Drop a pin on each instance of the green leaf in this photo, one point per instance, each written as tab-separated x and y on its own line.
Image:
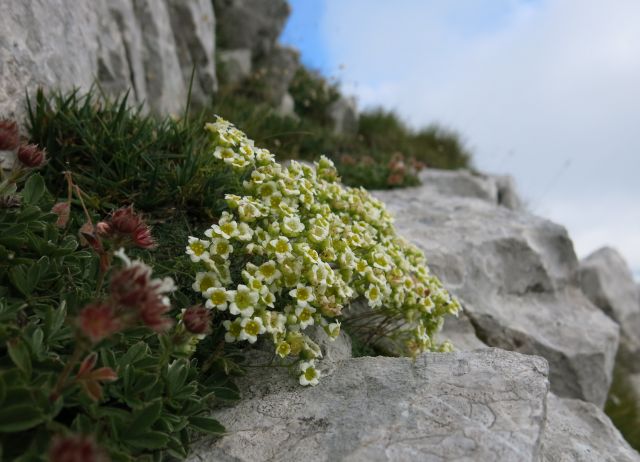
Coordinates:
13	236
227	394
36	341
176	376
148	440
207	425
54	320
3	391
144	418
19	276
33	189
20	355
19	418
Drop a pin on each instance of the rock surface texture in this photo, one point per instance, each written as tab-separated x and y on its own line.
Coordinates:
579	431
487	405
250	24
608	282
517	276
148	47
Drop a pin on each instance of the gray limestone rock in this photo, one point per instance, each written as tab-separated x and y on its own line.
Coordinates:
48	43
166	87
496	189
507	192
485	405
120	50
459	183
344	115
576	431
146	46
608	282
517	277
251	24
235	65
461	333
193	25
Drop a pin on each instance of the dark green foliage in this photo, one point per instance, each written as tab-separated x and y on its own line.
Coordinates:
312	96
437	147
160	399
623	407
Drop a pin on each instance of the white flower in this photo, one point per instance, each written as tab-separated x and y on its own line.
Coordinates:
197	249
292	226
243	301
309	374
374	296
302	294
234	329
281	247
333	329
268	272
245	233
305	316
220	247
251	328
226	230
205	281
217	298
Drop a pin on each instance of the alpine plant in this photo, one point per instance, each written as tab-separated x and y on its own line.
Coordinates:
297	247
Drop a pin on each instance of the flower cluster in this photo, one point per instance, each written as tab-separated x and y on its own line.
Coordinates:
134	297
297	248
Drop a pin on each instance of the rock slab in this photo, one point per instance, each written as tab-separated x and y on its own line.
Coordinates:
608	282
576	431
517	276
486	405
146	46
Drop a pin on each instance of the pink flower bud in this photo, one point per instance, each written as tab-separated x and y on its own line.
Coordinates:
98	321
103	228
31	156
62	210
76	448
9	136
197	320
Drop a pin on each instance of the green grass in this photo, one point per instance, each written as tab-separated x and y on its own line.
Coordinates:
118	155
623	407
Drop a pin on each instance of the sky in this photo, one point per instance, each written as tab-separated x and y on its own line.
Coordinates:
545	90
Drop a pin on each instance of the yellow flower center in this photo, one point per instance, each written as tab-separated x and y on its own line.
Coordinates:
235	329
222	248
243	300
252	328
197	247
207	282
282	246
310	373
218	297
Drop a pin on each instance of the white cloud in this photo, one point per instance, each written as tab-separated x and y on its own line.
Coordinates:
545	90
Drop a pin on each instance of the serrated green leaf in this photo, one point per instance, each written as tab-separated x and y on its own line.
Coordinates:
20	355
176	375
33	189
19	277
20	417
225	393
36	341
148	440
144	418
207	425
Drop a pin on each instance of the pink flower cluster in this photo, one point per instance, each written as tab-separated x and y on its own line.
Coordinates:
134	297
